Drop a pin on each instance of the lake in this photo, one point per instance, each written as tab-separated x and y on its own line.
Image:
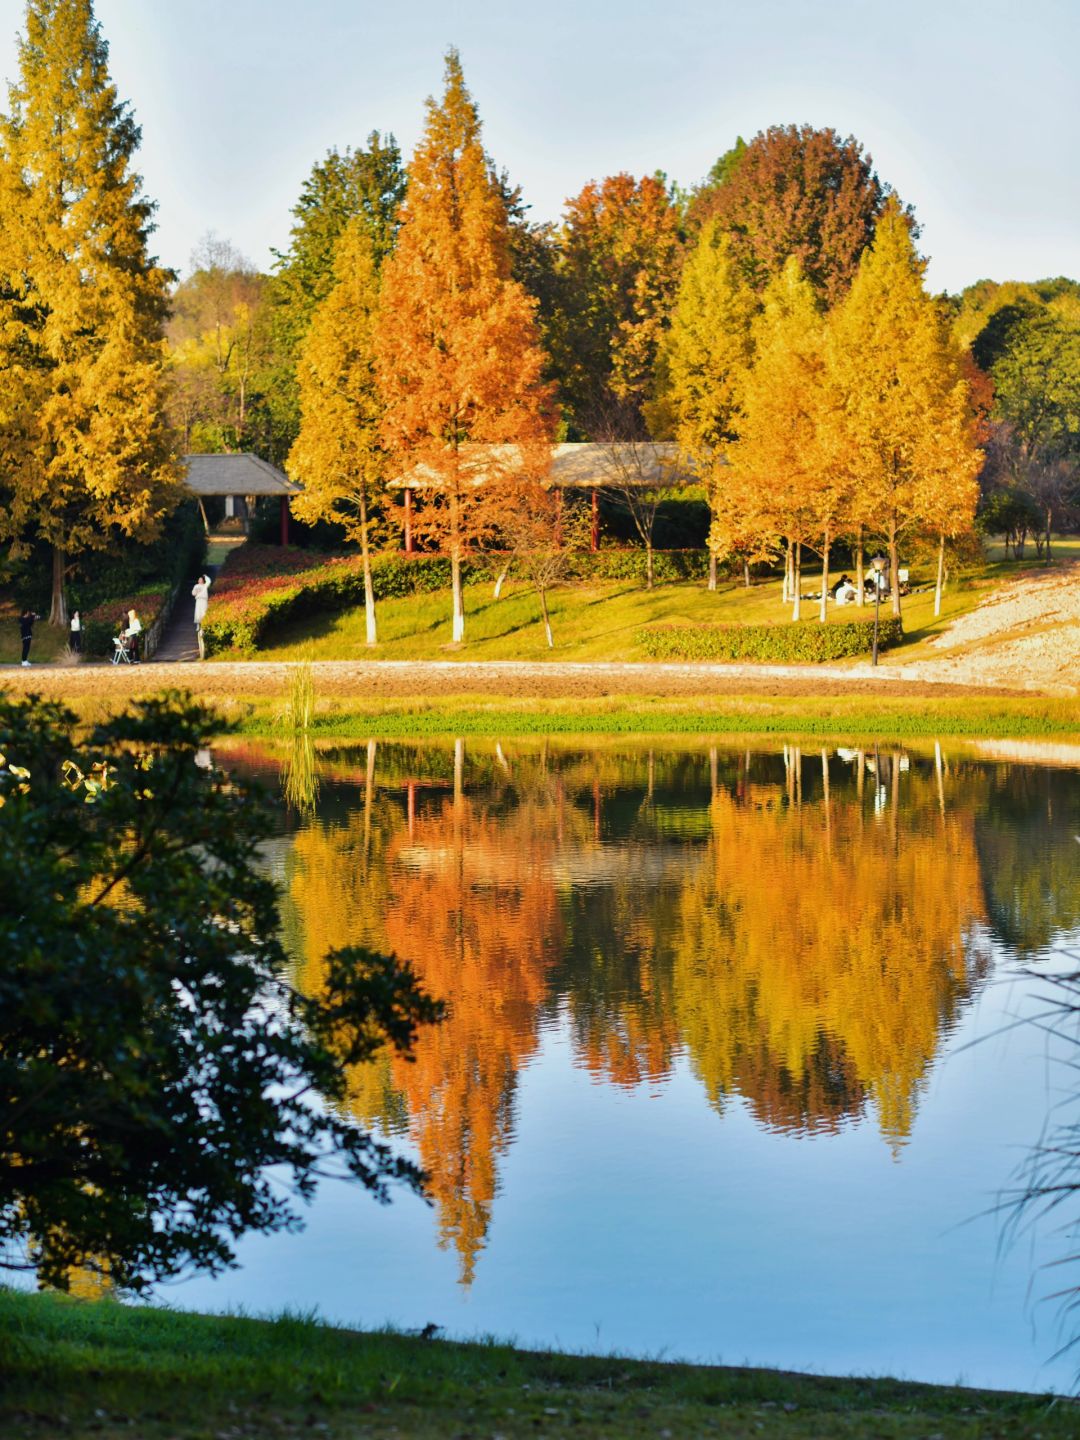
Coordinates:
730	1071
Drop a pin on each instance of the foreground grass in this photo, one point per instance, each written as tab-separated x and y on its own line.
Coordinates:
76	1368
838	717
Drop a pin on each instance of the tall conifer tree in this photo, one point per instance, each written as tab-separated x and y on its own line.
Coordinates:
703	361
777	459
458	361
338	456
365	185
906	435
84	450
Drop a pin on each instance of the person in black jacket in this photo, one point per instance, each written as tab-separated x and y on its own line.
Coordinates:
26	630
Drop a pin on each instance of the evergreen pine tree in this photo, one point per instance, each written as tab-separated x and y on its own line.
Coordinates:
85	454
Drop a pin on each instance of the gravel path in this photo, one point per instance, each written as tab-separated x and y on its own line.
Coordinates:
1026	635
446	679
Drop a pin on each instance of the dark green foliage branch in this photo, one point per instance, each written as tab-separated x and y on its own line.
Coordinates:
155	1059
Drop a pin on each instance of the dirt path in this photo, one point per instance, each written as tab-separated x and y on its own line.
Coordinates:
432	680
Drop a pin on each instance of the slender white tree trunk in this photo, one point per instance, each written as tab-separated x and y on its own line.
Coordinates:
712	569
860	571
796	580
371	634
455	572
894	564
501	581
824	580
940	586
547	619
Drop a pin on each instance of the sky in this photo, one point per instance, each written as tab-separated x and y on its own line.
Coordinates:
969	108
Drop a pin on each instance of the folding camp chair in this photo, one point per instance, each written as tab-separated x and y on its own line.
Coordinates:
121	650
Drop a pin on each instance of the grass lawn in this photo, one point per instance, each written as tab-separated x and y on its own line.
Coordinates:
79	1368
49	643
590	622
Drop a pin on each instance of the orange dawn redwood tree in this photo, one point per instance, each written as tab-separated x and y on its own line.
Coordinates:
458	359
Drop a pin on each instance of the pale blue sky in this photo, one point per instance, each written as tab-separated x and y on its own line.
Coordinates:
970	108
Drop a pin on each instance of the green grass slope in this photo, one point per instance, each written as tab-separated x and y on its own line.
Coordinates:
590	622
98	1368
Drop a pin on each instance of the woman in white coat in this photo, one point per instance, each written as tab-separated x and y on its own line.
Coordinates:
201	591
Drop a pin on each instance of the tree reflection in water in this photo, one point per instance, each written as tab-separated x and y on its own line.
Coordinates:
803	928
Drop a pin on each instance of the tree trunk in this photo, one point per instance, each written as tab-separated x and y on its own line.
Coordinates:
501	580
369	588
785	593
894	569
796	580
746	573
648	565
712	569
547	619
1048	534
58	614
824	580
860	570
408	521
458	632
940	585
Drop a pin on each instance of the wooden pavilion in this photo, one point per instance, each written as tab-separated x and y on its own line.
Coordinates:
240	480
594	467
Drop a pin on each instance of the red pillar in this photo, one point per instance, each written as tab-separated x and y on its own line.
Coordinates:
595	539
284	520
408	522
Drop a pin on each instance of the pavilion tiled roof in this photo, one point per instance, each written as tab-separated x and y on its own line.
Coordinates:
235	475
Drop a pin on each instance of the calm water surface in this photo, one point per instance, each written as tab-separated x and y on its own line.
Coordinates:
707	1087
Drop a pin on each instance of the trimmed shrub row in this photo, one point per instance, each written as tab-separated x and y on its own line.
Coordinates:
807	643
260	587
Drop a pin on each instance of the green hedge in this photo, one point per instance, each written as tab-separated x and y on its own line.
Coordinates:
806	643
